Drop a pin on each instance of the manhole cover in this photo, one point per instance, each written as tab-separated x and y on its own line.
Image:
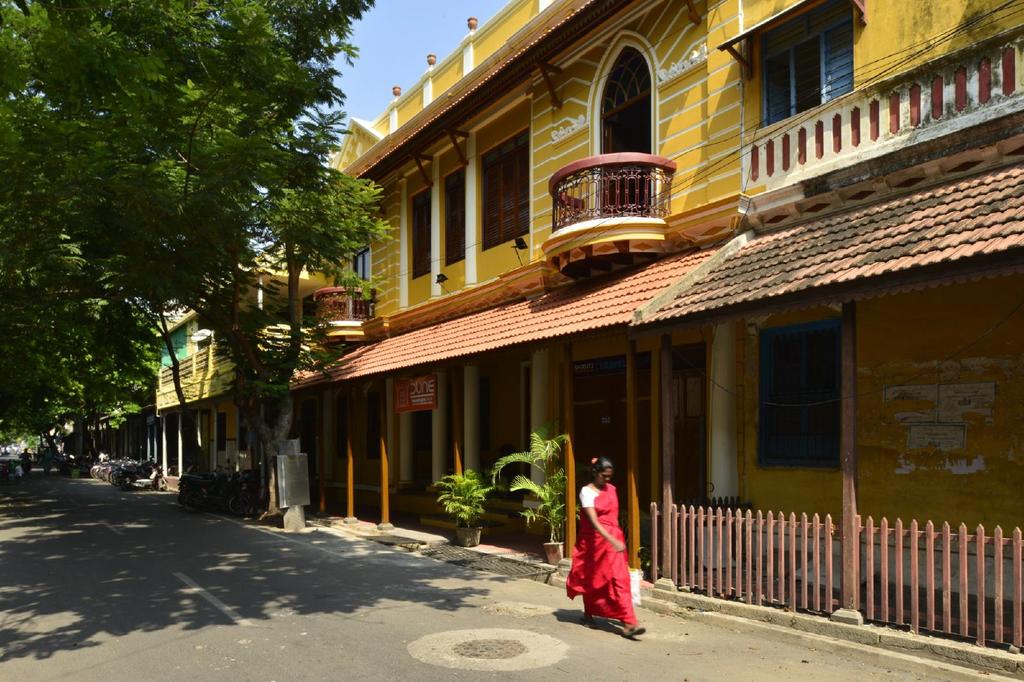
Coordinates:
490	648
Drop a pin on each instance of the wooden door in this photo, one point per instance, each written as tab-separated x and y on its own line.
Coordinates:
689	386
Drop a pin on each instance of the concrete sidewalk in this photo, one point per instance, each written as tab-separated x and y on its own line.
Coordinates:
666	600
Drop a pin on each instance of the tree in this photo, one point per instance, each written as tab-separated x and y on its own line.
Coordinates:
181	150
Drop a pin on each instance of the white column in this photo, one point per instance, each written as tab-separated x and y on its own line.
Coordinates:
467	55
389	428
214	454
404	264
471	416
393	119
472	192
539	416
181	452
162	422
405	453
199	435
428	91
439	452
722	399
435	225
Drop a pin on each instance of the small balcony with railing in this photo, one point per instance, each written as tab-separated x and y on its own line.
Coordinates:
204	374
608	210
945	103
343	311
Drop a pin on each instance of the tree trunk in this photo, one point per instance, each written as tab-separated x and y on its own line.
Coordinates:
93	429
273	431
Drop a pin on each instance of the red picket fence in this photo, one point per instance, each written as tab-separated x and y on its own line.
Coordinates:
960	583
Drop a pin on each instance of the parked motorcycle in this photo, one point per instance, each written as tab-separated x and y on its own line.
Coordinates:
199	492
144	476
236	493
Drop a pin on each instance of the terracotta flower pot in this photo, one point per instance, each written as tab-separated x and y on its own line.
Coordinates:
554	552
467	537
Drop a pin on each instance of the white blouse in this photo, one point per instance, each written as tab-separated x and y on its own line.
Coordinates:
587	497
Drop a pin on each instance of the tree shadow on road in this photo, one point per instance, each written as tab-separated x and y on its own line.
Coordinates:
84	563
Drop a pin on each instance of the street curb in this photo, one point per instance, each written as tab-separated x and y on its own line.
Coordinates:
889	639
928	655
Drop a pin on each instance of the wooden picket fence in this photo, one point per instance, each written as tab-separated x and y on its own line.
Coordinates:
961	583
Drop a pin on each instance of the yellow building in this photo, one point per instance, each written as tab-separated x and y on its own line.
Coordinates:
210	432
207	383
765	254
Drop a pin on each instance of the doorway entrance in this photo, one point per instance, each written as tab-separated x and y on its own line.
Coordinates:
689	387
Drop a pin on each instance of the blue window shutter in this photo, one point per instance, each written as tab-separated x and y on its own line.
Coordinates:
838	61
777	84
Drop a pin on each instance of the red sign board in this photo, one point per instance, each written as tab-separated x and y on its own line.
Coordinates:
414	395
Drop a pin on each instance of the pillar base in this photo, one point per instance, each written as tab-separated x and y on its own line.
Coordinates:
350	521
847	617
294	519
385	526
564	566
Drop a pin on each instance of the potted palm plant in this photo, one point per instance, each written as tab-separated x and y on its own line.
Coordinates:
462	497
549	505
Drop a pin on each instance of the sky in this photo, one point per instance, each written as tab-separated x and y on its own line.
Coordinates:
394	39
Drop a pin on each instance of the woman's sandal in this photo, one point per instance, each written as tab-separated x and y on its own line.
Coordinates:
588	621
634	631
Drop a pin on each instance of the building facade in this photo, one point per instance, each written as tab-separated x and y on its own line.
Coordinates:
765	254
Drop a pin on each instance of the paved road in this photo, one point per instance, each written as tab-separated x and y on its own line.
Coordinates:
99	584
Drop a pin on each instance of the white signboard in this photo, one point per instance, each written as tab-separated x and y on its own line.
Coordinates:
293	480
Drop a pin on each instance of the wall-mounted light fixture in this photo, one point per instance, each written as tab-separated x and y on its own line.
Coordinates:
520	245
440	280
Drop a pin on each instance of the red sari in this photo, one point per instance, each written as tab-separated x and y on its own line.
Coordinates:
598	572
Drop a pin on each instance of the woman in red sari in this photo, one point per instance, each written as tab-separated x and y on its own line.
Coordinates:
599	570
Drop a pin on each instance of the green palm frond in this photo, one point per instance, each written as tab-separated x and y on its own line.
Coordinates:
545	454
521	482
514	458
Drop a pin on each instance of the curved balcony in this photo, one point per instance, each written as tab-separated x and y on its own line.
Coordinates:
342	312
608	209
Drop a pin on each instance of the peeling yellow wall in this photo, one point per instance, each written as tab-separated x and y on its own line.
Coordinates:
905	340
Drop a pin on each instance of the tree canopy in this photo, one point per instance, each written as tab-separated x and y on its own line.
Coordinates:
162	156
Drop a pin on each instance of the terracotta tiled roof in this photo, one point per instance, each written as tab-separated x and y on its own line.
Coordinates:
978	216
586	306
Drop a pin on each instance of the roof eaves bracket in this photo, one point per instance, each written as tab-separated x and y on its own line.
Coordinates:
738	55
454	136
419	159
695	16
545	72
862	9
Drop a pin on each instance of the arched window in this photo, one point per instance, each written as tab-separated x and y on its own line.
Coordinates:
626	105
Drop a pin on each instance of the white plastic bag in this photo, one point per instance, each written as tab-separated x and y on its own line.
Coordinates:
635	576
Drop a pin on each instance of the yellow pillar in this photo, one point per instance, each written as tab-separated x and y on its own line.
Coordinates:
350	484
457	419
632	460
570	460
385	481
